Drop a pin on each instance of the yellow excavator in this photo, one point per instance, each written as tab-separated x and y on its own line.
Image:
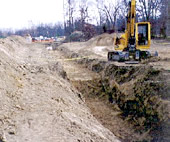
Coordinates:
133	44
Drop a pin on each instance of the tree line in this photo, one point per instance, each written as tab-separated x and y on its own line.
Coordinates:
112	14
46	30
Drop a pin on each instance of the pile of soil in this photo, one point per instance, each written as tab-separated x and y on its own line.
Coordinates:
37	102
102	40
136	93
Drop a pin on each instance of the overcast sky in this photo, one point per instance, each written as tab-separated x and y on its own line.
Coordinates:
18	14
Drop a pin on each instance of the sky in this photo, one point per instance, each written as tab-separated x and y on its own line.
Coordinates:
17	14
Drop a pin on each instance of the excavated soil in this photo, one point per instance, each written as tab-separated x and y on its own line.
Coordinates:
37	101
131	101
70	92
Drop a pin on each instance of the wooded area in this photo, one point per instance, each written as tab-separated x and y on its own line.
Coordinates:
112	15
92	17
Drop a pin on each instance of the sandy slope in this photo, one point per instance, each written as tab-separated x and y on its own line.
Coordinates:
37	102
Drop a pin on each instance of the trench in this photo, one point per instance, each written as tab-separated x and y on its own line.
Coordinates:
126	100
133	102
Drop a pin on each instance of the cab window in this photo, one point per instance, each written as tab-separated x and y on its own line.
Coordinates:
143	34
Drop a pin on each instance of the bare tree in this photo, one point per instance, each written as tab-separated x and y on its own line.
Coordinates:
149	9
83	9
68	15
163	18
109	11
99	4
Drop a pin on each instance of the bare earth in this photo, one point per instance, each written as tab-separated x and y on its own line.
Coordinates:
37	102
97	48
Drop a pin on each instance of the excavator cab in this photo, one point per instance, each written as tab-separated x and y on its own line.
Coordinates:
143	39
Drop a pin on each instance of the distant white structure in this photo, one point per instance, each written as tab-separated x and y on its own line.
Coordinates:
41	37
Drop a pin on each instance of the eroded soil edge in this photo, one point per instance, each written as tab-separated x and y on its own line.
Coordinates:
130	101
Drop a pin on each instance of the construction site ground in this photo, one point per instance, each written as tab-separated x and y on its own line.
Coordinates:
46	92
79	70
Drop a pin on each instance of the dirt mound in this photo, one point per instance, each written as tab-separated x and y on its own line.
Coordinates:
37	103
99	43
135	91
102	40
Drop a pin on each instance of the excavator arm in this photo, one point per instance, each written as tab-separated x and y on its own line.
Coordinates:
130	29
132	18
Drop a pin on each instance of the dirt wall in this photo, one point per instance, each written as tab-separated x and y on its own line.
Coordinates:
136	92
